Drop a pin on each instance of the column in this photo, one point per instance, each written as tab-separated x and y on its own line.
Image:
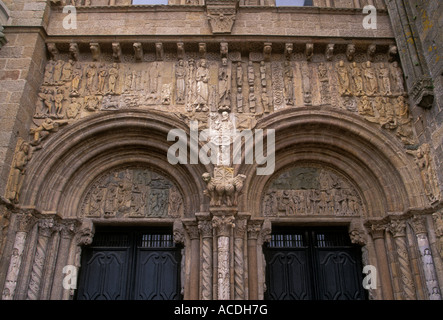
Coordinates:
254	228
83	237
398	229
239	257
191	228
205	227
418	225
66	236
25	222
45	228
377	233
223	225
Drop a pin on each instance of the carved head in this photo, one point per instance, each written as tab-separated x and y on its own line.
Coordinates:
206	177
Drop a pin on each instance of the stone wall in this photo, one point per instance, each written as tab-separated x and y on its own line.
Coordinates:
22	62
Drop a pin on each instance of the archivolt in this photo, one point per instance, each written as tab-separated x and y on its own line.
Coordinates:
73	158
374	160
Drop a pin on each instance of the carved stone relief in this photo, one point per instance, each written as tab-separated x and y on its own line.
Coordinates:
133	193
312	191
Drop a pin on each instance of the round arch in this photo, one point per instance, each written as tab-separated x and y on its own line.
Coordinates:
70	160
371	158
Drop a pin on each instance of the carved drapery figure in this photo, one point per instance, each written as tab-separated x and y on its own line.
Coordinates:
289	84
370	79
180	80
202	93
224	91
357	79
343	78
383	73
21	159
424	162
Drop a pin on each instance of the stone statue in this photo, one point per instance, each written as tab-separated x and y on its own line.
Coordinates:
383	73
180	80
343	79
370	79
224	91
357	79
112	80
22	157
202	79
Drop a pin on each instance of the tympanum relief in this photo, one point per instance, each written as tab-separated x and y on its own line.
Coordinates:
314	191
132	193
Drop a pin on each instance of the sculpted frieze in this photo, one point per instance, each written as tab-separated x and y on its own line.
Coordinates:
132	193
311	191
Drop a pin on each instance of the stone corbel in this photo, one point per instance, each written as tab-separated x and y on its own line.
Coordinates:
138	51
289	49
180	50
309	51
3	39
202	50
267	50
371	52
116	51
159	51
53	51
329	54
74	51
178	232
95	51
224	49
392	53
350	52
422	92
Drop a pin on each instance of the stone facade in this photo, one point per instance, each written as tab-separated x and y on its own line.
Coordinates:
88	112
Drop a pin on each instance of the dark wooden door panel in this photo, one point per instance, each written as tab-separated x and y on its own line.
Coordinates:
313	263
106	276
132	265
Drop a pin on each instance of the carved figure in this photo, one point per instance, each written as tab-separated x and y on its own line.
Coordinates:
21	159
180	82
343	79
202	79
224	191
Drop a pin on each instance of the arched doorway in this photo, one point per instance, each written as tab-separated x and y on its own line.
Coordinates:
312	260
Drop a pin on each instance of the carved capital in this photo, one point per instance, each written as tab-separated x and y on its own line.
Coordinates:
254	228
223	225
240	227
46	227
205	228
25	222
67	230
192	230
398	228
418	224
377	231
